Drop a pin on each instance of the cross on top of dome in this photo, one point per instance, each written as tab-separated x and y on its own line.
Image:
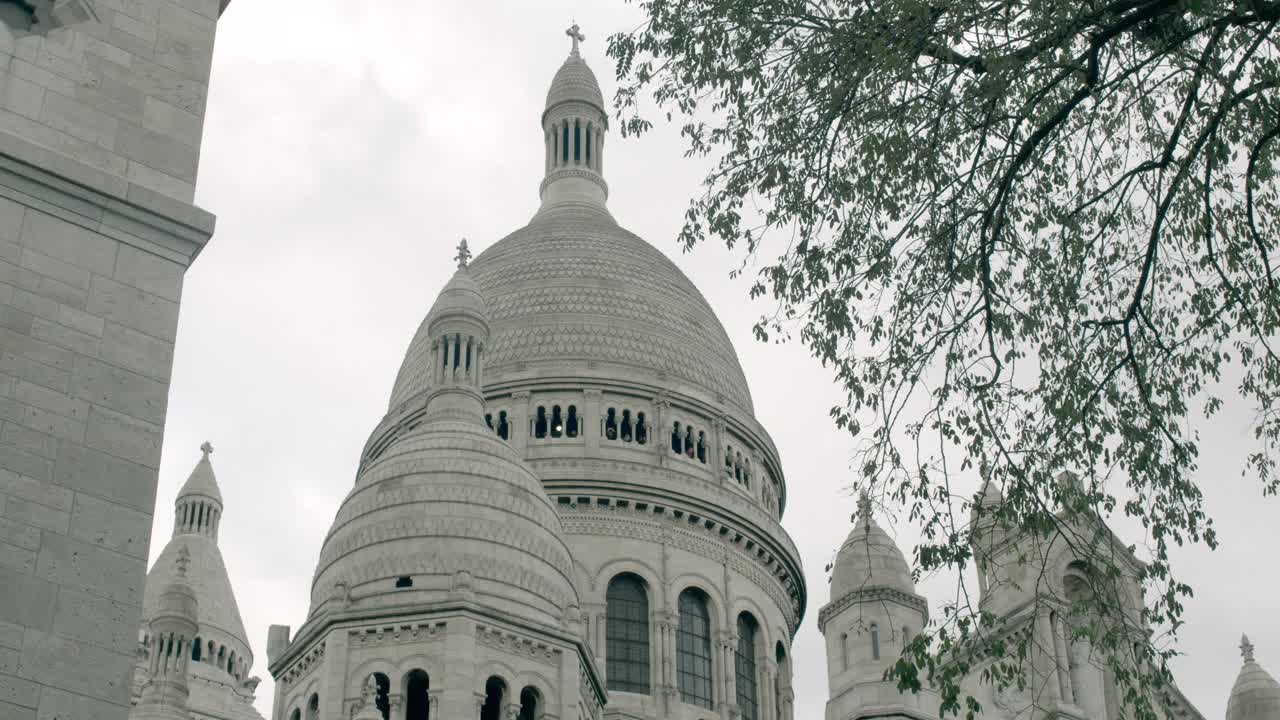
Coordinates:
575	34
1246	648
206	448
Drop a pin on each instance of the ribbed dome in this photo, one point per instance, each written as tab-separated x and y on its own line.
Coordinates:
574	294
451	509
869	558
574	81
1256	695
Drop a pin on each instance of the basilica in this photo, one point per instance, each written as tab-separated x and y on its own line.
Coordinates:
571	512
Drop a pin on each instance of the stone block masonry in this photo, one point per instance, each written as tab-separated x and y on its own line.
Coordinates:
100	129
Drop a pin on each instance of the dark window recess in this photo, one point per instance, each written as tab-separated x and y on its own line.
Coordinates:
626	426
676	446
540	424
571	425
642	430
702	447
611	425
504	430
404	581
557	422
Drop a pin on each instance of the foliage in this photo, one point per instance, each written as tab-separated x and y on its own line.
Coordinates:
1028	235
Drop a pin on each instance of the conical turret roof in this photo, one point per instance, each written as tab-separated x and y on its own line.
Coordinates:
869	558
202	480
574	81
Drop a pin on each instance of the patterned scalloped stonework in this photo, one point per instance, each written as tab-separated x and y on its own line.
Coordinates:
573	288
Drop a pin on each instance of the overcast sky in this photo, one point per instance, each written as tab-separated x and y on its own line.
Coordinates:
347	147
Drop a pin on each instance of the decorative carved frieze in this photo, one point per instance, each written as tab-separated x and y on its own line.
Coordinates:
376	635
514	644
303	665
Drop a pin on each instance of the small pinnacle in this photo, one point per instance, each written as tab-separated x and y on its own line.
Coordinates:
464	255
1246	648
184	559
864	507
206	448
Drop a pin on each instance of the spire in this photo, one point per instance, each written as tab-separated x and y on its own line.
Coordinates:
1246	649
574	122
198	508
864	508
464	255
1255	694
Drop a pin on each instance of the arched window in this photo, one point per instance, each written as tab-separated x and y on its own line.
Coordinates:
222	656
211	655
737	467
529	705
611	425
781	680
688	441
196	648
382	699
295	715
540	424
744	663
675	438
844	651
627	635
504	431
626	426
875	641
702	447
313	707
557	422
564	142
417	705
642	430
577	142
693	649
231	664
571	425
494	690
488	420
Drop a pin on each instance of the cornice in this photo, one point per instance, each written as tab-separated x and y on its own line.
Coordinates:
877	594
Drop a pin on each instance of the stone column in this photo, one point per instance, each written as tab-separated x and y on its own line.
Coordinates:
333	679
662	418
666	622
1061	661
519	421
590	420
727	689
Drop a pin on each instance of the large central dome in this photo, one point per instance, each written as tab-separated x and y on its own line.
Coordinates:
574	294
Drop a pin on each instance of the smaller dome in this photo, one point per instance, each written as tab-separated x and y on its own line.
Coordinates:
1256	695
202	480
460	297
869	558
574	81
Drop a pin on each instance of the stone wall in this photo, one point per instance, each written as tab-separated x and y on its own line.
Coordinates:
100	121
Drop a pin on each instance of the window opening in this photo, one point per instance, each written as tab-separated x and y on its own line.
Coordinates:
540	424
494	689
611	425
577	142
675	438
875	641
564	145
404	581
382	698
626	426
417	704
196	647
488	420
745	668
702	447
528	704
571	425
557	423
688	441
693	649
627	635
588	144
503	429
642	430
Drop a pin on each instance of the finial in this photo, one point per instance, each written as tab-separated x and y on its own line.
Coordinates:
864	507
464	255
575	33
184	559
1246	648
206	448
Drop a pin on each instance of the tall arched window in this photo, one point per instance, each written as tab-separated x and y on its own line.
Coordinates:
503	430
529	703
494	691
557	422
626	426
196	648
875	641
540	423
627	635
744	662
642	430
417	705
313	707
693	649
611	424
295	715
571	425
382	699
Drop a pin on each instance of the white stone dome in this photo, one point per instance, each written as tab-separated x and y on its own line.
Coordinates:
444	499
1256	695
869	559
574	294
574	81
